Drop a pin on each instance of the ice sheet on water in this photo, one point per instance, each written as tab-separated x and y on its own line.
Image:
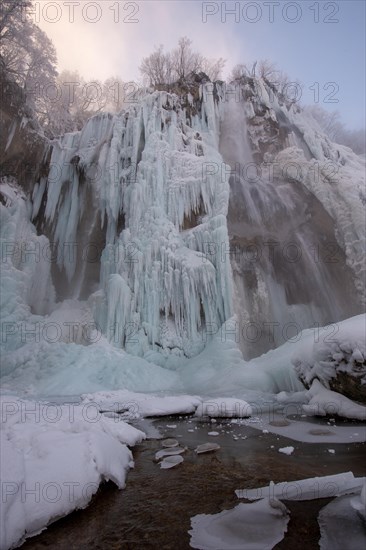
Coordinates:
257	526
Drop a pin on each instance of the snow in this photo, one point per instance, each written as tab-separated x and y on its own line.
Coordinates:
324	402
53	459
257	526
340	348
141	405
307	489
223	408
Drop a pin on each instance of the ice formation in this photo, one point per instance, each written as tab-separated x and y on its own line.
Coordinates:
143	178
133	234
171	461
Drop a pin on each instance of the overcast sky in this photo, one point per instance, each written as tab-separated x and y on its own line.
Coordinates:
320	43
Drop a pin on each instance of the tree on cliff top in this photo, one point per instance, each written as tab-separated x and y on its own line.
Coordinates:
167	67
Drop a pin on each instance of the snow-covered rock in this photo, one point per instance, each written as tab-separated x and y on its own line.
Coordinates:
336	357
324	402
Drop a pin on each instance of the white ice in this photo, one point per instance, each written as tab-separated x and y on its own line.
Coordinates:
257	526
341	527
307	489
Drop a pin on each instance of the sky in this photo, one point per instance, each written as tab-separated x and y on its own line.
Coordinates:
321	43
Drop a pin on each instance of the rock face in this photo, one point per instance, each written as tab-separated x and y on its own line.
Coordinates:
24	151
350	384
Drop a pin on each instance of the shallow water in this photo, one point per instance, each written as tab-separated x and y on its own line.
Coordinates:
154	510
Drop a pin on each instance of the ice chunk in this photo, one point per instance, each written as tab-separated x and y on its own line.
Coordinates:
170	452
207	448
257	526
306	489
170	443
171	461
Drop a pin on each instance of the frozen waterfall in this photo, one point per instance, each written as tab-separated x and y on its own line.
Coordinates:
289	270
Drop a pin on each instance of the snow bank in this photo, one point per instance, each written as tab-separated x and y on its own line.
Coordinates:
137	405
53	458
258	526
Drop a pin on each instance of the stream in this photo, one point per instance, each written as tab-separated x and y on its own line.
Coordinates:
154	510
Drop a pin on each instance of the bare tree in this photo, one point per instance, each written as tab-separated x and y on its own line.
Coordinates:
166	67
185	60
158	67
213	68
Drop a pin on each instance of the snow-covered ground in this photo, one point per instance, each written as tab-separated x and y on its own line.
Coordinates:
53	458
